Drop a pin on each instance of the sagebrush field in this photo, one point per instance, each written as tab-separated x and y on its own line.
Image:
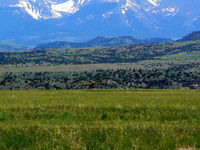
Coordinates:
99	119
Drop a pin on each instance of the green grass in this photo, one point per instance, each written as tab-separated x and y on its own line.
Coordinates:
194	55
99	119
163	62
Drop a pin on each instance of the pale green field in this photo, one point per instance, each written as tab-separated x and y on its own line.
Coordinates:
194	55
164	62
99	119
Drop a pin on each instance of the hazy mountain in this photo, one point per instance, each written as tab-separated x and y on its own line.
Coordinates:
9	46
156	40
102	42
39	21
194	36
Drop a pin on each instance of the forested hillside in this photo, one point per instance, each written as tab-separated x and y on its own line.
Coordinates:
132	53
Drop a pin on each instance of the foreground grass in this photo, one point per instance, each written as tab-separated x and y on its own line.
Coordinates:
98	119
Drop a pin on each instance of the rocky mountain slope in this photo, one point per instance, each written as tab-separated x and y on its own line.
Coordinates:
39	21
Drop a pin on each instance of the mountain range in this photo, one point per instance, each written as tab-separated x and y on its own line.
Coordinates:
98	42
31	22
102	42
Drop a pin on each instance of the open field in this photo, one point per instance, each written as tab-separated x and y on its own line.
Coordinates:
99	119
165	62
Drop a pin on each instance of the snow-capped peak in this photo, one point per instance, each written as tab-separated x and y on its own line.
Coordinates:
88	18
47	9
50	9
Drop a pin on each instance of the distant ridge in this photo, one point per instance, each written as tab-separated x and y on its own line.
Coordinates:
194	36
103	42
9	46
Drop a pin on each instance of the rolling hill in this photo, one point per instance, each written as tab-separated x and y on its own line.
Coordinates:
121	54
103	42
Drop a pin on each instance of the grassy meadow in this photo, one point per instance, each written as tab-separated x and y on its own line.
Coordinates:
99	119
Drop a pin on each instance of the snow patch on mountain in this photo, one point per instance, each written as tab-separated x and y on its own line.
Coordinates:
67	7
154	2
49	9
